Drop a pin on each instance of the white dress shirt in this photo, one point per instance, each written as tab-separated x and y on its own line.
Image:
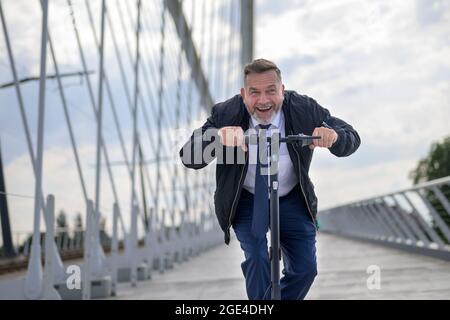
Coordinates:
286	174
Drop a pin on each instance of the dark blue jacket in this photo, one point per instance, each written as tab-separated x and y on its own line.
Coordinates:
302	114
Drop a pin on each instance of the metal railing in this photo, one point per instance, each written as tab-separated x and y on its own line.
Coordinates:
163	244
416	219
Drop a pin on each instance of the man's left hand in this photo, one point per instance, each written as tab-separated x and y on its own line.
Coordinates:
328	138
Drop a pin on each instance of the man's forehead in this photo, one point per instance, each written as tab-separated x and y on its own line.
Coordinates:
263	87
262	80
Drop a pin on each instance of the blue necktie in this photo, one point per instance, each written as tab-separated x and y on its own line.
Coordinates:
260	220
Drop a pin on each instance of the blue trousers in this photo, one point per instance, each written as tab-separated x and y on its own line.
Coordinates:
298	245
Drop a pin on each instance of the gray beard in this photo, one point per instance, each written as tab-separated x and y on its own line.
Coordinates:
266	121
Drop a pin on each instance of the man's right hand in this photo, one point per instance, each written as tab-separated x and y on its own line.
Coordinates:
232	137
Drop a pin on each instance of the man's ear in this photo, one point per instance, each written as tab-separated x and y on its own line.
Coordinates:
243	93
282	89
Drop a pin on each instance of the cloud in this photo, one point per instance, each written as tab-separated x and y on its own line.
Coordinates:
431	12
381	66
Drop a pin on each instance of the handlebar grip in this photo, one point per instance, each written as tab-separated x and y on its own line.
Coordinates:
304	139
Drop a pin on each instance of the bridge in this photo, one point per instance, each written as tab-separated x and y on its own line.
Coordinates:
114	88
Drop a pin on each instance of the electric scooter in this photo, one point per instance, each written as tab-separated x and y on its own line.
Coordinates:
273	143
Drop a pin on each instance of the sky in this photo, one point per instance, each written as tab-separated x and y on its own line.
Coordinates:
382	66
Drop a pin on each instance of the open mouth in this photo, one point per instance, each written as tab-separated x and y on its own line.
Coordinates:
264	109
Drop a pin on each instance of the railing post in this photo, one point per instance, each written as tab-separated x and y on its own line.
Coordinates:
407	235
133	247
378	222
408	217
114	249
151	242
442	199
429	230
88	242
437	218
378	212
49	289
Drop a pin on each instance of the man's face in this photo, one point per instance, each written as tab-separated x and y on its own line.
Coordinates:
263	95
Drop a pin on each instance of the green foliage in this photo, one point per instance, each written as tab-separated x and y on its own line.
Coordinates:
434	166
61	220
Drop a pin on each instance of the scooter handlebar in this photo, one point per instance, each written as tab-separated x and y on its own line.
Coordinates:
303	139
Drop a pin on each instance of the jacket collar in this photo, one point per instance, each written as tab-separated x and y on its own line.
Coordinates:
286	112
246	116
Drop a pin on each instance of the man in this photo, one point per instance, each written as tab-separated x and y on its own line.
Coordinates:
241	197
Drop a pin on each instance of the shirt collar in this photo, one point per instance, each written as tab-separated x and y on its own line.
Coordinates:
275	123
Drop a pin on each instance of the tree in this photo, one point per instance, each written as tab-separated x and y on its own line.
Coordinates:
62	235
61	220
105	239
434	166
78	231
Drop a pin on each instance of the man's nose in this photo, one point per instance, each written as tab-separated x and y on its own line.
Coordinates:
263	98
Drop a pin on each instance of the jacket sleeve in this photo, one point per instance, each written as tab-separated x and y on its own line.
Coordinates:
191	153
348	140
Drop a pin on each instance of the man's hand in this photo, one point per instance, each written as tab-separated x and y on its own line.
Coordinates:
328	138
232	137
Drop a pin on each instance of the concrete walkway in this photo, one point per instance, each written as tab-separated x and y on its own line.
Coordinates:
342	265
